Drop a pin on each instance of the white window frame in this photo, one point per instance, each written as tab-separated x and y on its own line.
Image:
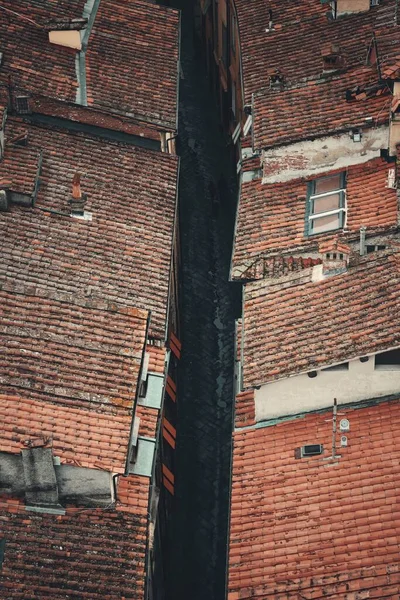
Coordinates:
341	211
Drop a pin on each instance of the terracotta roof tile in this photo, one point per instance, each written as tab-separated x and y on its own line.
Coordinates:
296	326
245	409
300	33
314	527
68	352
156	359
318	108
96	439
86	553
123	254
131	59
271	217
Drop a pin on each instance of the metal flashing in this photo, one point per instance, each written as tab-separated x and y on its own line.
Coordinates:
89	13
46	509
101	132
144	458
154	391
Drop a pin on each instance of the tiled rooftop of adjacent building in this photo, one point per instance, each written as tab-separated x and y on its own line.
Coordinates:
271	217
319	107
316	527
298	324
299	33
130	66
123	253
71	353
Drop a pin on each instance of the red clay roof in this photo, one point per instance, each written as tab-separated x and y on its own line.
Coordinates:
315	528
245	409
318	108
271	217
86	553
297	326
301	31
131	60
79	436
66	352
124	253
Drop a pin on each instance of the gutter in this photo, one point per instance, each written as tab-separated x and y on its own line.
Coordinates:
178	72
235	230
228	539
89	12
176	224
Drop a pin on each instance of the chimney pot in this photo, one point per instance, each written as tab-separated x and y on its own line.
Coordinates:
335	257
78	199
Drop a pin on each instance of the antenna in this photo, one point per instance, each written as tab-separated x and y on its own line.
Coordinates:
335	414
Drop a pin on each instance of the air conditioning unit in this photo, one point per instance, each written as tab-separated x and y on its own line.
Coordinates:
311	450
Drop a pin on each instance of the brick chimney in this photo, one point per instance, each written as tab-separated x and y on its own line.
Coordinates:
335	257
78	199
332	57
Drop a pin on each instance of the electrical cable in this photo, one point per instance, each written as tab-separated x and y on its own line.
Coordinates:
21	16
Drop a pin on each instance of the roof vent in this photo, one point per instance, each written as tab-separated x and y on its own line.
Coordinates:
276	79
270	22
391	180
335	256
332	57
22	105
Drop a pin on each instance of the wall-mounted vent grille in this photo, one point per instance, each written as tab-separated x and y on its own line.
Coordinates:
22	106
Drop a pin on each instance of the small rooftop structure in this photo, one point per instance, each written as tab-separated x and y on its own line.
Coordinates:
272	218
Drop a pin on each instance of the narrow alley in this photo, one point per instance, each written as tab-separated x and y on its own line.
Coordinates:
208	303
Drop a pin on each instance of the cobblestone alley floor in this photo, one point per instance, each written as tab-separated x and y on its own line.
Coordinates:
207	208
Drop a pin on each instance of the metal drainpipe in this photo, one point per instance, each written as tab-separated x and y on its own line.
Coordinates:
362	240
80	61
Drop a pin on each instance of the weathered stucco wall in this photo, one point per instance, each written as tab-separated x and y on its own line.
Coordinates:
311	157
301	393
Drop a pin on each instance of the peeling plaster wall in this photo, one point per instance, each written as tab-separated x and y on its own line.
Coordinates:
302	394
312	157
